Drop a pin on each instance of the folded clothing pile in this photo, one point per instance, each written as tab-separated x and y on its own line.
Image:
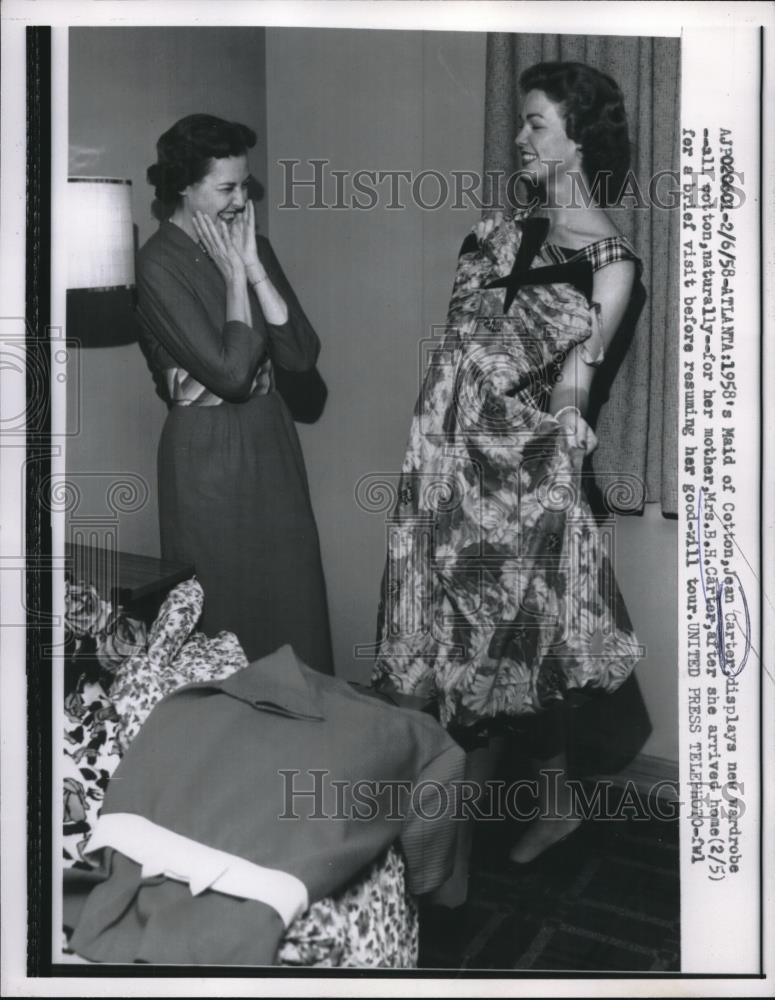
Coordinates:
370	922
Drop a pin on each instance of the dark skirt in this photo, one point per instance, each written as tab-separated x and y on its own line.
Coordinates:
234	500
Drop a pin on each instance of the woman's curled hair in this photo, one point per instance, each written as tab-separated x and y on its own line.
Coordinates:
184	152
593	108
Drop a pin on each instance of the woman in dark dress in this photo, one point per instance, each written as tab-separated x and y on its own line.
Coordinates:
218	315
499	599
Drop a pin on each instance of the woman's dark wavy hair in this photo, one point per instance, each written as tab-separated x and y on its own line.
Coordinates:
593	108
185	151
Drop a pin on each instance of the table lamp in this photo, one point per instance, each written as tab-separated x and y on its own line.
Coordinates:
100	266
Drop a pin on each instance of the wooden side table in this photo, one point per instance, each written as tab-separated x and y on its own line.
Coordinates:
138	583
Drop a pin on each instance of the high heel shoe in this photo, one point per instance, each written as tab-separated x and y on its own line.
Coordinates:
550	849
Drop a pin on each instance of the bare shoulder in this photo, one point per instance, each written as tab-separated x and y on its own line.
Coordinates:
598	226
589	228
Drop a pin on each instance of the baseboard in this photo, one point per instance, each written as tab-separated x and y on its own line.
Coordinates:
650	775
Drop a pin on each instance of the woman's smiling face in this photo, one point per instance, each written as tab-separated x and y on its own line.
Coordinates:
223	192
545	149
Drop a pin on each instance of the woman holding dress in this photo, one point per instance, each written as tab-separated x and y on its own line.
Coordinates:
499	600
218	315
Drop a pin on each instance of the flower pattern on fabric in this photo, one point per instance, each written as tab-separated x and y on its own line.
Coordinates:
175	655
123	637
371	923
85	611
498	596
91	754
89	617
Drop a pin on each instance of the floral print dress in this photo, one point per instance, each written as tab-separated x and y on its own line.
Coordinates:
498	596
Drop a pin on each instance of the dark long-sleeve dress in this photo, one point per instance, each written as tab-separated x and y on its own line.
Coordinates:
233	493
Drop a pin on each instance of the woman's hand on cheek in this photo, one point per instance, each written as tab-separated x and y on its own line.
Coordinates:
220	246
244	228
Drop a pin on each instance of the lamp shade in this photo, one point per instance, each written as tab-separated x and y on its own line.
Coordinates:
101	262
99	233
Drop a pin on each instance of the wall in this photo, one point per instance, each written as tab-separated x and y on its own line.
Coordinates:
127	86
374	282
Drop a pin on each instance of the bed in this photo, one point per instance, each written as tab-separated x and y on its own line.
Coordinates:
116	670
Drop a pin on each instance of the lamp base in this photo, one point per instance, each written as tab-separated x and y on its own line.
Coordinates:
102	317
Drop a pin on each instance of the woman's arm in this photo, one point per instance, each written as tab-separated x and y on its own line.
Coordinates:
611	290
223	356
273	306
293	344
224	252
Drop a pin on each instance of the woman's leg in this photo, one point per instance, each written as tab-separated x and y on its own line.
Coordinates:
480	767
557	807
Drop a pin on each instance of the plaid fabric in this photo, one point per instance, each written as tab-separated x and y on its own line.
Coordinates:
599	254
184	390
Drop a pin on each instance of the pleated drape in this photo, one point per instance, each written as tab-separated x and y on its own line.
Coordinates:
637	426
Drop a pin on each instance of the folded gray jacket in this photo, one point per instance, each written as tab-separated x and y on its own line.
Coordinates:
242	800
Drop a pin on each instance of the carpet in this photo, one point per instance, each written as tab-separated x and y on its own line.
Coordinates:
608	899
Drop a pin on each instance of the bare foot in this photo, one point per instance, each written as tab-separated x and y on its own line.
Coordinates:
540	836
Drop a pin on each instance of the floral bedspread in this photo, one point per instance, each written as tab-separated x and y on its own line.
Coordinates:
371	923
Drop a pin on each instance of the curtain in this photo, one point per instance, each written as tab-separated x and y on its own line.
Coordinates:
637	424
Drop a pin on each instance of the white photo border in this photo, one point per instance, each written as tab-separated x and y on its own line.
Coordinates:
685	19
